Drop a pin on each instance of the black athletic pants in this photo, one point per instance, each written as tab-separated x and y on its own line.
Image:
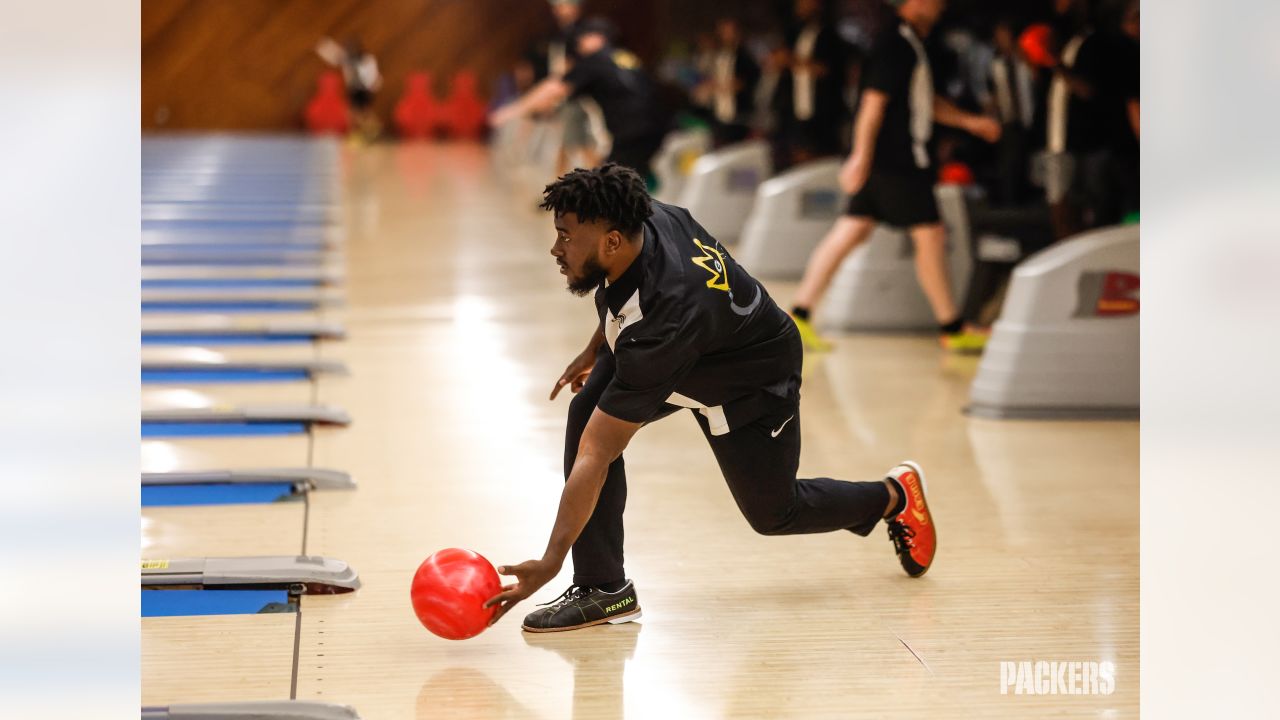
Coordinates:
759	466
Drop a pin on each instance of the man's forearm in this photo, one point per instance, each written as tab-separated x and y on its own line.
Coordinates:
543	96
603	441
577	502
947	114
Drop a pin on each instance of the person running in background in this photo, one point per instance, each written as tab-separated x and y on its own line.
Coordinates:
362	79
890	176
614	78
728	93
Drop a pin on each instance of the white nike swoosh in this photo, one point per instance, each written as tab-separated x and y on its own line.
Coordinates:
784	424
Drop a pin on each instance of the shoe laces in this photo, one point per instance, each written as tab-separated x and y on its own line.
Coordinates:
902	536
575	592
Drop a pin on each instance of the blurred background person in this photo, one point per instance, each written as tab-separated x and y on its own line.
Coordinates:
765	105
890	174
616	81
728	92
1012	98
810	90
1121	108
1074	130
553	57
362	79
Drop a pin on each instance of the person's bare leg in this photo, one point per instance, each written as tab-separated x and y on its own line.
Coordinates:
845	235
933	271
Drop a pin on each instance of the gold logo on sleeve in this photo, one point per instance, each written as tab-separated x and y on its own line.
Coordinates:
712	261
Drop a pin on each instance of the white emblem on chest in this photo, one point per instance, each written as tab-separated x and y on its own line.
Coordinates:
629	315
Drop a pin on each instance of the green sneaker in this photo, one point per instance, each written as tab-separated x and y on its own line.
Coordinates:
810	337
965	342
580	607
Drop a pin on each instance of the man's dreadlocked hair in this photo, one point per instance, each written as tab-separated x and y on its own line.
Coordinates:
611	192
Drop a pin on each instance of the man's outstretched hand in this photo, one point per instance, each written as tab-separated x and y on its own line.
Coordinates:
530	576
575	376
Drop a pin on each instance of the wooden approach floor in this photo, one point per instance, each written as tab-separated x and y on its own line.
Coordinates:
458	326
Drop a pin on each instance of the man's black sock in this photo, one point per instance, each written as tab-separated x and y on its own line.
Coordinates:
800	312
902	499
611	587
952	327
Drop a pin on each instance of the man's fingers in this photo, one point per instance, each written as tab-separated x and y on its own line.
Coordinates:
502	610
559	384
512	595
506	590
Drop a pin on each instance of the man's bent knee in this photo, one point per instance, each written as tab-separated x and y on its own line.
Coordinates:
769	523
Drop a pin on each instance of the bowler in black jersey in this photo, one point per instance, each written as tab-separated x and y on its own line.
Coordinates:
680	325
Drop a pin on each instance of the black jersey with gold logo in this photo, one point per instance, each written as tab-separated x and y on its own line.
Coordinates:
615	80
689	327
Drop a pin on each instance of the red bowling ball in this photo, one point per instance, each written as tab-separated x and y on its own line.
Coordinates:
449	591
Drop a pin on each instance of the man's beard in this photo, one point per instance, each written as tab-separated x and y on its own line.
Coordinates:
592	276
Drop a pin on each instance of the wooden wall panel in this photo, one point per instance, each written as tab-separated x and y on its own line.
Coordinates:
250	64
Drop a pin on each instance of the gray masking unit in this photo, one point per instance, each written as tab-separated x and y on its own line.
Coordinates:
1066	344
722	187
791	214
876	288
674	161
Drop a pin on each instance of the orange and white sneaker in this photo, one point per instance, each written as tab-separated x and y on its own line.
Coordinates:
912	531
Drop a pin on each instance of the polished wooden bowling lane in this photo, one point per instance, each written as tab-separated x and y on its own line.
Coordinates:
458	327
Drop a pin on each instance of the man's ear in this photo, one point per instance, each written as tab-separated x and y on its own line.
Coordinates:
613	240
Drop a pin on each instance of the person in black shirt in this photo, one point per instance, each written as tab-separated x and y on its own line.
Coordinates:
1014	92
810	93
681	325
1117	190
615	80
362	79
890	176
1128	128
729	90
1077	157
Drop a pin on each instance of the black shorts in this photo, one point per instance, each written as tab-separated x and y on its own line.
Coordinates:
899	199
